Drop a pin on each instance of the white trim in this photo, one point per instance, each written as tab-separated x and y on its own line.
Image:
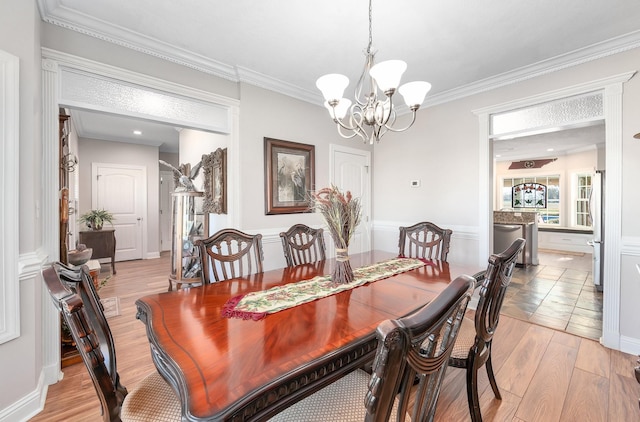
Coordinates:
630	245
53	13
630	345
53	64
612	88
28	406
9	209
459	232
112	72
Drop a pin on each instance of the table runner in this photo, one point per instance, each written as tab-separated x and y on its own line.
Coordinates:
257	305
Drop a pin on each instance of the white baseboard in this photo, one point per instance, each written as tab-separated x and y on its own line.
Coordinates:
630	345
28	406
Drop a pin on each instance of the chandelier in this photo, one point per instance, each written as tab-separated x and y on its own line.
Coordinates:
371	116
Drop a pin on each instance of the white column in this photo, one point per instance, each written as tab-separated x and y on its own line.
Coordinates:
612	216
50	237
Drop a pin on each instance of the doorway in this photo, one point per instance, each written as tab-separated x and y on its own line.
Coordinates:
611	89
350	172
122	190
74	82
558	291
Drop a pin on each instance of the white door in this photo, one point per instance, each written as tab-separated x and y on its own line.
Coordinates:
122	190
350	170
166	187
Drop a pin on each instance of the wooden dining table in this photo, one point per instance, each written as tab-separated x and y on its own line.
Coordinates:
235	369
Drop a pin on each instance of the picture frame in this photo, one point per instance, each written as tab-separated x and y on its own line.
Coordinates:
289	176
214	166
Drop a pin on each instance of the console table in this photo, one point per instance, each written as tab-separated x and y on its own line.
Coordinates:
103	243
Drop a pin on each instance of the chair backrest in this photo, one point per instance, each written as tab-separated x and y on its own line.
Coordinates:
230	253
303	245
492	290
424	240
90	332
79	280
417	346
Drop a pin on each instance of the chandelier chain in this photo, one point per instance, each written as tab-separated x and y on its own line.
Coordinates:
370	30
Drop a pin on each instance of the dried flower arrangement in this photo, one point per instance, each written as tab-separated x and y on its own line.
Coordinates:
342	213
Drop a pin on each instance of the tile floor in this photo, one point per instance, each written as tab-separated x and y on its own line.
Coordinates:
558	293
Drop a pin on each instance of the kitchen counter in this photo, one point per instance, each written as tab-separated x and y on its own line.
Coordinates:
514	217
510	225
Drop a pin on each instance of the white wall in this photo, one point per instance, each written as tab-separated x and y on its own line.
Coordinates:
267	114
96	151
440	151
21	359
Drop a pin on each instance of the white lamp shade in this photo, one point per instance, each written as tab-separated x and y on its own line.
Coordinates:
332	86
414	92
387	74
340	109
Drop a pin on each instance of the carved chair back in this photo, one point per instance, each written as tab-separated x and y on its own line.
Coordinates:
424	240
416	348
230	253
492	291
473	349
77	300
302	245
79	280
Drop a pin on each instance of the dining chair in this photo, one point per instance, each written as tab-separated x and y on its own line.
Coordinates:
407	371
473	346
303	245
424	240
74	296
230	253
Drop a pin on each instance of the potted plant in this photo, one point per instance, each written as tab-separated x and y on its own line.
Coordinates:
95	219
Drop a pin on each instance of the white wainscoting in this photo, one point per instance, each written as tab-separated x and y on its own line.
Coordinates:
463	248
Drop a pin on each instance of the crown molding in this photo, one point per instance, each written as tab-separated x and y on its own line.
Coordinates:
53	12
554	64
246	75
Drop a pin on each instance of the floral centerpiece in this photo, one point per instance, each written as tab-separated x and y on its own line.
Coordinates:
342	214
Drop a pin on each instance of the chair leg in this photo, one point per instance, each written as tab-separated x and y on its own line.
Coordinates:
492	378
472	393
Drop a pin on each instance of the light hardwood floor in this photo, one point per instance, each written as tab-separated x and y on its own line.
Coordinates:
543	374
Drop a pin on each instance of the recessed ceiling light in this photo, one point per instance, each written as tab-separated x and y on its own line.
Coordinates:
498	155
137	132
549	149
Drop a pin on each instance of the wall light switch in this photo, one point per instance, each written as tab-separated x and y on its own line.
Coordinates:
415	183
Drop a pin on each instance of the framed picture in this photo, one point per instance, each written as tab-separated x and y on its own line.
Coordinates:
214	166
289	176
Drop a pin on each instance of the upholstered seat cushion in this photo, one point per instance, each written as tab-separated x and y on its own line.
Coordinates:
466	338
347	403
151	400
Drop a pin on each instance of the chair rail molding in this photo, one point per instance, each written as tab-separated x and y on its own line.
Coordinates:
9	201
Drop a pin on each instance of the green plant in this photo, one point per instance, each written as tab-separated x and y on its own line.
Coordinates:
95	219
